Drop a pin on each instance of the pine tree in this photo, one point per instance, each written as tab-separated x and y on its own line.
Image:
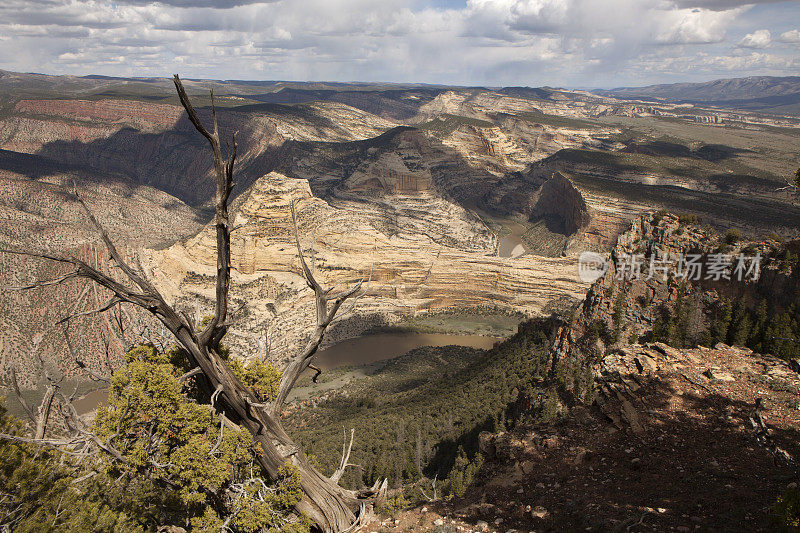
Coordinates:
757	332
722	322
739	330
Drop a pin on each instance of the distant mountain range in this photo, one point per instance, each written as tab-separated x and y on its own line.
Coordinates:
769	94
766	94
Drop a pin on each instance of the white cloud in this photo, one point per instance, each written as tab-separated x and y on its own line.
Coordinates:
695	26
721	5
755	61
494	42
791	36
757	39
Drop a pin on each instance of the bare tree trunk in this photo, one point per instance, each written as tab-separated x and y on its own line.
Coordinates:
332	507
44	411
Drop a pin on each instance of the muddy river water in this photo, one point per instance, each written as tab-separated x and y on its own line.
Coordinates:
353	352
373	348
511	244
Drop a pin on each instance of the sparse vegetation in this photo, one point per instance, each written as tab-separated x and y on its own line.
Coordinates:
185	461
431	404
446	124
787	510
732	236
658	216
177	464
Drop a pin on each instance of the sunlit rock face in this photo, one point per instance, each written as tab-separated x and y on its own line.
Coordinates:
417	190
406	268
391	172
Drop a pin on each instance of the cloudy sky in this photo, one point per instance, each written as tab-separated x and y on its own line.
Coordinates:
577	43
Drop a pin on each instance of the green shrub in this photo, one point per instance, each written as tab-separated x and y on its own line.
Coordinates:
261	378
463	473
177	448
775	237
658	216
732	236
393	505
750	250
786	511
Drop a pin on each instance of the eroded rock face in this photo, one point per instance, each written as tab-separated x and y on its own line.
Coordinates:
392	206
408	270
559	197
399	171
155	145
489	148
43	215
387	198
114	111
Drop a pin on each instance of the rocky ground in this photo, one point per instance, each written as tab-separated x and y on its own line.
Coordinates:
668	445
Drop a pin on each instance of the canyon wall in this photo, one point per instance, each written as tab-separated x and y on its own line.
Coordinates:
558	197
406	271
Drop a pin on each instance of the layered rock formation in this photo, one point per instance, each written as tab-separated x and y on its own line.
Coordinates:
408	269
154	144
129	112
405	198
43	215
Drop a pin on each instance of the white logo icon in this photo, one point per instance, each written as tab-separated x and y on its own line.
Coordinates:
591	266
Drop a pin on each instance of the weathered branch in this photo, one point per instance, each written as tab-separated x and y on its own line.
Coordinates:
344	463
54	443
764	438
83	366
78	444
223	169
20	398
317	371
326	307
191	373
111	303
149	299
134	276
39	284
433	486
44	410
41	416
330	506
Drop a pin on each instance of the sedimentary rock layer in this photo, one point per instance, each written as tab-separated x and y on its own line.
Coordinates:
407	271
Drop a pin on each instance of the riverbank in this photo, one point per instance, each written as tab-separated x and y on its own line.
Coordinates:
364	356
482	322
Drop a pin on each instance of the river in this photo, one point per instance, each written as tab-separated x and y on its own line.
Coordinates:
373	348
352	352
511	244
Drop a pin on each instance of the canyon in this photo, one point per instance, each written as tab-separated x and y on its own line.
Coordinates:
412	189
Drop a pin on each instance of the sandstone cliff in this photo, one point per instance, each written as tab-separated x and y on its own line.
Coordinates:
154	144
559	198
408	271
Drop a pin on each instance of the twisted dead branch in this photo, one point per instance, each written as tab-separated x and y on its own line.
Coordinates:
332	507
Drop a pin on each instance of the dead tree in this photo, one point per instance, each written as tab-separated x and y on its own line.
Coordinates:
331	506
